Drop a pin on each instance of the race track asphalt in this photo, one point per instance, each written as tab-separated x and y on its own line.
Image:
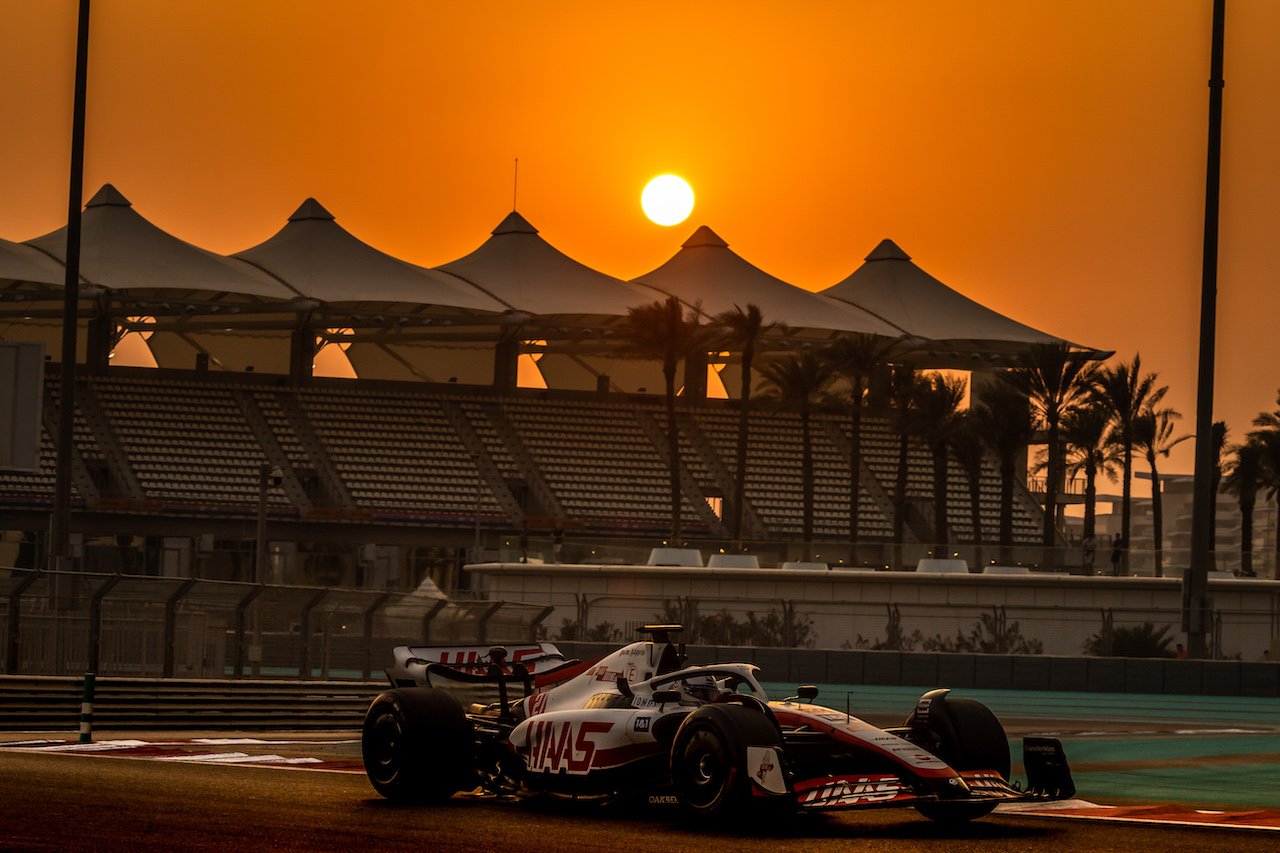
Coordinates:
73	803
1199	752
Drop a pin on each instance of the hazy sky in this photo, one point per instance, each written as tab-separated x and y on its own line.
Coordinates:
1044	158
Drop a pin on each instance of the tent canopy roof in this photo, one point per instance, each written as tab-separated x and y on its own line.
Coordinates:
891	286
707	272
121	250
526	273
23	263
316	257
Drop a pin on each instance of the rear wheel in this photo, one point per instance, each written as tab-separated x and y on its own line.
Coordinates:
709	767
970	738
417	745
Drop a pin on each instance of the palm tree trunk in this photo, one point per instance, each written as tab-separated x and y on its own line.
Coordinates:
900	489
1052	474
1090	499
855	474
806	478
940	472
740	471
1126	494
673	451
1246	537
975	511
1006	511
1157	521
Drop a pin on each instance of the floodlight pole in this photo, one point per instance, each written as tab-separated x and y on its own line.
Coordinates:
60	523
1196	605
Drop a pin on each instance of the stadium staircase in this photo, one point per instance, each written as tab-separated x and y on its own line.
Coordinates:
333	491
690	489
276	457
541	497
488	468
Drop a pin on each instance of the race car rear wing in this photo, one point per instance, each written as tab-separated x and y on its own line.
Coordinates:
533	659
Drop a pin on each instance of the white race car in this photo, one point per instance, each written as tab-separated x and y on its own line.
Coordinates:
640	722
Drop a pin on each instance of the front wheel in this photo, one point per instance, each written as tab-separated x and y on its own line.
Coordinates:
969	737
417	745
709	765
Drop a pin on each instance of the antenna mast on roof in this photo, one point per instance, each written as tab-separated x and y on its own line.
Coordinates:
515	184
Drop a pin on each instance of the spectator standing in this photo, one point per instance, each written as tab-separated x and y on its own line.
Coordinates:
1089	551
1117	554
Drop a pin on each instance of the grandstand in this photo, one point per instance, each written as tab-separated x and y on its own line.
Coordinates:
427	465
436	446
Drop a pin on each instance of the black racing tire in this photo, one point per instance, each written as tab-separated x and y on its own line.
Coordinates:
709	758
418	745
971	738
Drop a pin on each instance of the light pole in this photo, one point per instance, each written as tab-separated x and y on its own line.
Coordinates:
475	551
268	476
60	523
1195	584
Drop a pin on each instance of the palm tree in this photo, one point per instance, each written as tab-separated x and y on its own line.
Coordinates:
800	380
970	451
1085	431
1153	435
939	418
660	332
1055	380
743	330
1003	417
855	359
1125	392
1269	420
904	393
1243	480
1268	441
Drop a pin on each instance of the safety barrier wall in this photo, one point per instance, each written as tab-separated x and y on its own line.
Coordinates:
987	672
137	704
837	610
30	703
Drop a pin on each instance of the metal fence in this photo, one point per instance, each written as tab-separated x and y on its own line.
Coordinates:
64	623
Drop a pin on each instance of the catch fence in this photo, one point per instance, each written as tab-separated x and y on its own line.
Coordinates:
65	623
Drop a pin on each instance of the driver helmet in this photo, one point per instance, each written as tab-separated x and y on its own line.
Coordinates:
705	688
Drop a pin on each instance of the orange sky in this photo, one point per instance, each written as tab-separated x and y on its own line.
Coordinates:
1045	159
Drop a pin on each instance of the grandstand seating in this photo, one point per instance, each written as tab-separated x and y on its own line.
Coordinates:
429	457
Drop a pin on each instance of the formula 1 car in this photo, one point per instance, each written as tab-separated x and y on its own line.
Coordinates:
640	722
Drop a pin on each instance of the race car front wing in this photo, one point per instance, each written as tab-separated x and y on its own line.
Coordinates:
1048	778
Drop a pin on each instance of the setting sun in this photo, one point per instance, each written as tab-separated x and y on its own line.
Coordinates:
667	200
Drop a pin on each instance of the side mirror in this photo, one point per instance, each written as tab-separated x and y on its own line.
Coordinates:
662	697
807	692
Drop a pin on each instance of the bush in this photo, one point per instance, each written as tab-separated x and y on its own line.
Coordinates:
991	634
775	629
1130	641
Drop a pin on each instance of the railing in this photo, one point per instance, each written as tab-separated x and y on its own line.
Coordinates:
66	623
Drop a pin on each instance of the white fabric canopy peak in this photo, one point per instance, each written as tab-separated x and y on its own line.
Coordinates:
706	271
891	286
318	258
526	273
121	250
